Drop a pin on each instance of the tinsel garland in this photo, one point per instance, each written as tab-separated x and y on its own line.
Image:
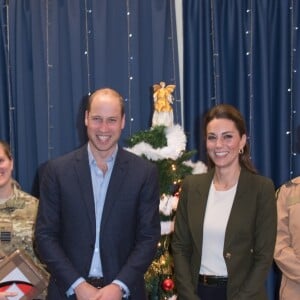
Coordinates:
159	143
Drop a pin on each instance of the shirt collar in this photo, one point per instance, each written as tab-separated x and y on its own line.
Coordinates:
110	159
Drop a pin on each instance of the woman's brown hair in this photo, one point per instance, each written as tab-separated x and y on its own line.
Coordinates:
6	149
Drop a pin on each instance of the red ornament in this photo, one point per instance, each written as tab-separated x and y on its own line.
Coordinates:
168	284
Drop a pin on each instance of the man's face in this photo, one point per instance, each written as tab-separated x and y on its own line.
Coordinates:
104	124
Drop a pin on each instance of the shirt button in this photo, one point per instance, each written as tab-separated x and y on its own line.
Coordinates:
228	255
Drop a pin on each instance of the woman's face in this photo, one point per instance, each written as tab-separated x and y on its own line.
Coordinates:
223	143
6	168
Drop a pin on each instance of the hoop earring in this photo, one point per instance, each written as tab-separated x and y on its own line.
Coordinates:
241	151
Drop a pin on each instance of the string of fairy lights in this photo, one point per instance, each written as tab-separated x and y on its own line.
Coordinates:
48	80
293	72
8	76
178	112
88	12
131	39
294	33
130	61
215	98
249	53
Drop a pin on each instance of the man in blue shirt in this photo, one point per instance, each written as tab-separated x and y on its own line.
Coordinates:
98	220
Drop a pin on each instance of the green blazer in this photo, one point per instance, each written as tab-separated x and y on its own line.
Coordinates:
249	238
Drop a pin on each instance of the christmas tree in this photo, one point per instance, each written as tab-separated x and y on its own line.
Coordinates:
165	145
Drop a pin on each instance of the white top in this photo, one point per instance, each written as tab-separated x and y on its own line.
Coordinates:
217	213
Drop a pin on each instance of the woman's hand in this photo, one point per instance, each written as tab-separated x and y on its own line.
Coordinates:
6	295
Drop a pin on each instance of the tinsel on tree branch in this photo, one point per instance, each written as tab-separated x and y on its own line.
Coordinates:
171	171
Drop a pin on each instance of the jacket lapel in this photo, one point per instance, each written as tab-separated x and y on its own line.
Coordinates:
84	182
198	209
114	190
235	213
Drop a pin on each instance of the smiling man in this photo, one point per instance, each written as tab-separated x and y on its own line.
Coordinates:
98	220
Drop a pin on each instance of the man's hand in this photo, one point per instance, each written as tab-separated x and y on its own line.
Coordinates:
85	291
109	292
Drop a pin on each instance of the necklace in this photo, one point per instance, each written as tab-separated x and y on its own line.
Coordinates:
224	186
227	184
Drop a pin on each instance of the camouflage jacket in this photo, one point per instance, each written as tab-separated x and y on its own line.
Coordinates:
17	219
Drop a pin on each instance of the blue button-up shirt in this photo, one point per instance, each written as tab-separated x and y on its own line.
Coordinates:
100	183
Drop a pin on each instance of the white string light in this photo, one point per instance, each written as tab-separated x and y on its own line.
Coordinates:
249	53
173	75
214	97
49	67
179	34
293	71
87	46
8	76
129	64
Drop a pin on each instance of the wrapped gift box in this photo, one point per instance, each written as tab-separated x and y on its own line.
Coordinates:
19	273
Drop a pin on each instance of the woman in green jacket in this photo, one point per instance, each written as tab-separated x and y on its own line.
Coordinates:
225	226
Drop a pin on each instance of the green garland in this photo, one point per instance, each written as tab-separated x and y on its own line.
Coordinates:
156	137
171	172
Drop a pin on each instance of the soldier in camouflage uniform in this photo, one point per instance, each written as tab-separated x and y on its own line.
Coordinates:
17	216
17	212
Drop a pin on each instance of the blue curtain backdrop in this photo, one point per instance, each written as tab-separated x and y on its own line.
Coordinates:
55	53
246	53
